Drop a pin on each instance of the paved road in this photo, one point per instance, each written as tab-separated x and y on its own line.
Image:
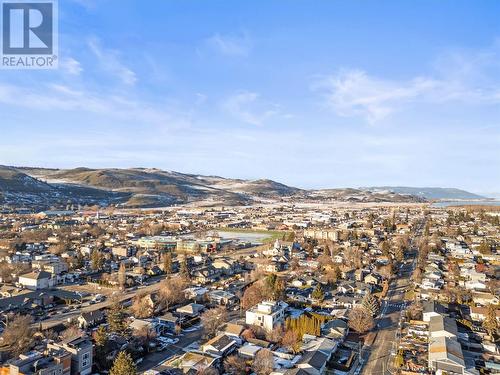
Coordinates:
378	358
123	296
154	359
188	337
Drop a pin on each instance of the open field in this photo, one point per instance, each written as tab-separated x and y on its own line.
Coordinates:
267	236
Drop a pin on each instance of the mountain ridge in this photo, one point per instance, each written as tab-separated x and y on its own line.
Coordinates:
152	187
439	193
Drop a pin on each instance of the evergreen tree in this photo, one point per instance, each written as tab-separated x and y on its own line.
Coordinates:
274	287
386	248
96	260
122	276
123	365
167	263
371	304
271	281
485	248
318	294
79	261
116	318
184	271
101	337
306	324
101	348
399	253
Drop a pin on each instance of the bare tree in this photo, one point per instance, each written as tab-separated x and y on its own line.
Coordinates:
235	365
334	274
252	296
17	336
5	271
386	271
263	364
60	248
172	292
414	311
212	319
360	320
493	286
275	335
248	334
258	332
167	263
353	257
325	260
71	332
144	336
142	308
290	341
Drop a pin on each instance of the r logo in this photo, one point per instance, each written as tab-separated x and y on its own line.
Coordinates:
28	28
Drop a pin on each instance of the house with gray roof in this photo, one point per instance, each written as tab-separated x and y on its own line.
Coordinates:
446	354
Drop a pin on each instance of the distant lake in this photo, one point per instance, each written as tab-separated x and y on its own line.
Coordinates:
466	203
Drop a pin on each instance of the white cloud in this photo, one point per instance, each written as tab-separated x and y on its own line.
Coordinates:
58	97
109	61
231	45
354	92
71	66
472	79
246	107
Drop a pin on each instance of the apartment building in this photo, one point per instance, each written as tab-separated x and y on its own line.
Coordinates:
81	354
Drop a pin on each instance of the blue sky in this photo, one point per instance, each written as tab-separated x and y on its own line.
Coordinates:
313	94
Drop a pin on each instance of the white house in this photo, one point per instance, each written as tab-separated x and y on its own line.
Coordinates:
459	249
37	280
475	285
432	309
267	314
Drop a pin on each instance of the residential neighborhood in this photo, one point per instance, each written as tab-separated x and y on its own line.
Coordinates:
288	290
